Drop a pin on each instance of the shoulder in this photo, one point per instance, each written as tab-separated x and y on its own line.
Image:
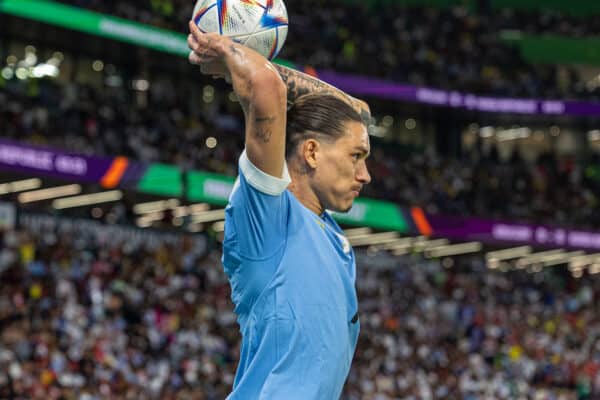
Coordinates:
261	181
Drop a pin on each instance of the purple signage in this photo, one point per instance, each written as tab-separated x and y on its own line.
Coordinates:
508	232
47	162
375	87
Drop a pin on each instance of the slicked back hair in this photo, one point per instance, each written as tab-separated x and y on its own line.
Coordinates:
317	116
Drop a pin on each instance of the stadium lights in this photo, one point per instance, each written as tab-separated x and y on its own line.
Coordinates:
49	193
400	249
155	206
594	135
357	232
513	133
87	199
580	261
487	131
193	209
20	186
209	216
151	217
538	257
171	204
453	250
507	254
423	244
413	244
594	269
399	246
44	69
560	258
400	243
373	238
218	226
142	223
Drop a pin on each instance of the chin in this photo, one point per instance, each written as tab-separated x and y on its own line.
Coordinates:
344	208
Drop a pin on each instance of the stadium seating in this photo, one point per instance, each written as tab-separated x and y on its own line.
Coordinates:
87	313
551	189
452	48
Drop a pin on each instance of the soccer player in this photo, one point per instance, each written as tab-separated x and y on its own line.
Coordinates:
291	270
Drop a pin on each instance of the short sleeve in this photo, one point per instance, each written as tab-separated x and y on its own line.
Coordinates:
257	211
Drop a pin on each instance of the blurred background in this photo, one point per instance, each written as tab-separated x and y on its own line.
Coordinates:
477	243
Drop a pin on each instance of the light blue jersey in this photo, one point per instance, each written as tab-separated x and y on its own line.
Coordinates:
292	276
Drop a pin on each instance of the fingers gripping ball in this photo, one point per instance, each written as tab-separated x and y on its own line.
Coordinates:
258	24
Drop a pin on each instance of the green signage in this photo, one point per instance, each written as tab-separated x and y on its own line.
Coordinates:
164	179
374	213
579	8
161	179
102	25
215	189
209	187
555	49
98	24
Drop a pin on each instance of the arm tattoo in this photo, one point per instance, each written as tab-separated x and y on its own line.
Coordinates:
263	134
298	84
260	120
263	128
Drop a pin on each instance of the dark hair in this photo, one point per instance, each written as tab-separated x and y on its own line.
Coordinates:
317	116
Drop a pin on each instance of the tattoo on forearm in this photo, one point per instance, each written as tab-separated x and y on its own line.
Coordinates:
298	84
262	120
263	128
264	134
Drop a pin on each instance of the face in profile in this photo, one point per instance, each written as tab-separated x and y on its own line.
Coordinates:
341	170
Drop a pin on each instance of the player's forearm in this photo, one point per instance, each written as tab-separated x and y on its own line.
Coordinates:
262	95
251	74
299	84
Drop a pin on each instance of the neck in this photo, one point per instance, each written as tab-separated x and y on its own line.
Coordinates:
303	192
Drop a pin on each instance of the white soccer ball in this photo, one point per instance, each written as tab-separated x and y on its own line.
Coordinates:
259	24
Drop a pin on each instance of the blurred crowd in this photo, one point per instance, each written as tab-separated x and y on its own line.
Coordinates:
89	311
108	122
171	126
456	330
550	190
89	314
451	48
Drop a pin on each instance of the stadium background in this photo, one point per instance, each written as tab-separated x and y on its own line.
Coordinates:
476	242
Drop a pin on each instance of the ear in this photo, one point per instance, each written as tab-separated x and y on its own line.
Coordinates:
310	151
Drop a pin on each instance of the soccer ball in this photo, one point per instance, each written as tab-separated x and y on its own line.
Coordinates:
258	24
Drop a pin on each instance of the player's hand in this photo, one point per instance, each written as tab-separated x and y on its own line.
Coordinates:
206	51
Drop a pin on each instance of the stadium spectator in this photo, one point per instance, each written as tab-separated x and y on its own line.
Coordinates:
86	120
86	313
450	48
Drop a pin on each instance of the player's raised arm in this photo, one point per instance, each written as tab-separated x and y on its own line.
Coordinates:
299	84
260	89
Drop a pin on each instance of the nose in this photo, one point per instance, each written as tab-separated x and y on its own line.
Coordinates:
362	174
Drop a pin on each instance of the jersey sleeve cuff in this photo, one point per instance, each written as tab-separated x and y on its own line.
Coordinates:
261	181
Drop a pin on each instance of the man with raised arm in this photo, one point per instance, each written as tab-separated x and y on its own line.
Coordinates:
292	271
